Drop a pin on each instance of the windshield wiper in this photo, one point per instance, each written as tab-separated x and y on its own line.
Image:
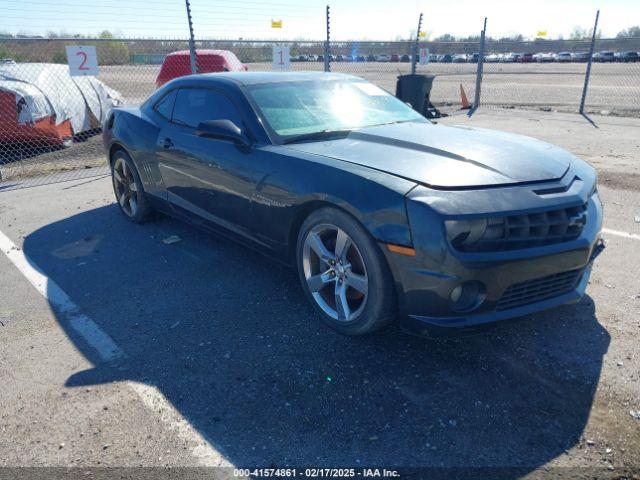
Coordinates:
395	122
305	137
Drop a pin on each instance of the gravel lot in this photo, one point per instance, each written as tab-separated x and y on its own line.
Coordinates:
250	377
614	88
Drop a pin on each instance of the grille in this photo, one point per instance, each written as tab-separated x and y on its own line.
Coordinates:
531	230
532	291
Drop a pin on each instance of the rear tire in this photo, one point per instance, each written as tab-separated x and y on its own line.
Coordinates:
344	274
128	188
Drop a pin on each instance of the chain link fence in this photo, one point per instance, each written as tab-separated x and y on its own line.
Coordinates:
534	74
50	122
614	84
551	75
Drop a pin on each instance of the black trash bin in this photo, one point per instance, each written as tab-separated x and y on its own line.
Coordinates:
415	89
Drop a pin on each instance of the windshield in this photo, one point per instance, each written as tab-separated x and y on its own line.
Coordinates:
299	108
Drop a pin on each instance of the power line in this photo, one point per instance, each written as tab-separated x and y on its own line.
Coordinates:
157	3
178	8
197	18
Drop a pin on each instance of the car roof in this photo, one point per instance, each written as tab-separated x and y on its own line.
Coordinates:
234	81
256	78
204	53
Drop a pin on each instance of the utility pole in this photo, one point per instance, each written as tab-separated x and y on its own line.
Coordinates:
588	73
327	47
480	69
192	44
416	47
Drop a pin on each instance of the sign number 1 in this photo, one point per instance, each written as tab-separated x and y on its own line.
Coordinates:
281	58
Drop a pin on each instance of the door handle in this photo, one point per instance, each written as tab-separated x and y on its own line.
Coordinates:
167	143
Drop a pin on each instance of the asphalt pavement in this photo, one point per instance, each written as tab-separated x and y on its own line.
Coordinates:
221	361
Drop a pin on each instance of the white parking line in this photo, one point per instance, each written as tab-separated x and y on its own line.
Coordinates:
618	233
153	400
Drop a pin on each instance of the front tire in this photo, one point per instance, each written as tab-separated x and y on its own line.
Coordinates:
128	189
344	274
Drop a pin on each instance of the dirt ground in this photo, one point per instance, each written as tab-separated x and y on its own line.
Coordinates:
29	161
614	86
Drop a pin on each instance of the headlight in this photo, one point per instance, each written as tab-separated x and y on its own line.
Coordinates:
465	232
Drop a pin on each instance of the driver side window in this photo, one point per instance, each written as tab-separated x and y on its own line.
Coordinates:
196	105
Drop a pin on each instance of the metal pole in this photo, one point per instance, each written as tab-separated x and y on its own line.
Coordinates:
192	44
414	57
327	48
588	72
476	101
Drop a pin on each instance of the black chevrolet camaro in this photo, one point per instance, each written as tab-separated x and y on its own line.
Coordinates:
384	214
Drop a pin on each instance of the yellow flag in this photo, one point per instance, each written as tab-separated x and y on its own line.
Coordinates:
276	23
423	34
542	33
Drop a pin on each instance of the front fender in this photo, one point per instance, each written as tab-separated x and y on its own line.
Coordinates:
297	183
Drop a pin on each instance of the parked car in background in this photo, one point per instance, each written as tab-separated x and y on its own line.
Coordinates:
510	57
434	58
312	58
383	214
445	58
361	58
394	58
580	56
525	57
383	58
371	58
473	58
459	58
492	58
405	58
563	57
628	57
605	56
178	64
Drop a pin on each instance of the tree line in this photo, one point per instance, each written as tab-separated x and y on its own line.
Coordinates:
114	51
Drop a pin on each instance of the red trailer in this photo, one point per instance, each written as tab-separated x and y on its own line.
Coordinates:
178	64
38	128
42	103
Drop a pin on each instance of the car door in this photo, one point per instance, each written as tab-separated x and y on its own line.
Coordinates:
206	178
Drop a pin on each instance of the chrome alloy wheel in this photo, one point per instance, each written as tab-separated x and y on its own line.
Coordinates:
335	272
124	184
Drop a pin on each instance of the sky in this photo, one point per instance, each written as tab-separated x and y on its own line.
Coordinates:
350	19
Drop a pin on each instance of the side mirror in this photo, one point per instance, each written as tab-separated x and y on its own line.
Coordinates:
222	130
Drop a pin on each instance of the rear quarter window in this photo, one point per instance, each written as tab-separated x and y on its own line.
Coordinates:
164	107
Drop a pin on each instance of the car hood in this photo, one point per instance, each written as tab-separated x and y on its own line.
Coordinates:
447	156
